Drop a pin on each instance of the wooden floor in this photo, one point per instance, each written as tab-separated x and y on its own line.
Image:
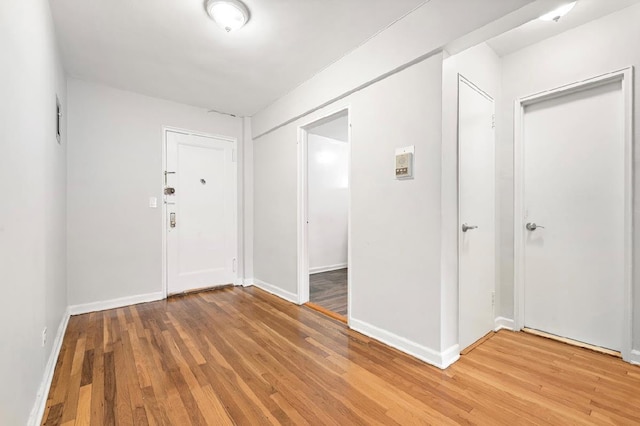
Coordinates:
329	290
241	356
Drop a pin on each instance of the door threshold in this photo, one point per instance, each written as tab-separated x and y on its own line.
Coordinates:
477	343
326	312
200	290
572	342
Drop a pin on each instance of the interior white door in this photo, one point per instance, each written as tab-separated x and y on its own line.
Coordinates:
202	213
574	188
476	144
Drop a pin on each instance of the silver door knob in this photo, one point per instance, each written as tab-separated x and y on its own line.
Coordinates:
466	227
531	226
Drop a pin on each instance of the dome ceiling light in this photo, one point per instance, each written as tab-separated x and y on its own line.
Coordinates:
555	15
229	14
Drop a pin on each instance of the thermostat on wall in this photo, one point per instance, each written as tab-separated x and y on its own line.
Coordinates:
404	162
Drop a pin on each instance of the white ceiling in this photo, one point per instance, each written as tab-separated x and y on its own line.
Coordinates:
537	30
172	50
337	128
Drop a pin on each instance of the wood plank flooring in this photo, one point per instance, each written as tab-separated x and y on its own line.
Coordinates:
241	356
329	290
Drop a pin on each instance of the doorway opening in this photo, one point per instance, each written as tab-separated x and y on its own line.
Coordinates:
323	282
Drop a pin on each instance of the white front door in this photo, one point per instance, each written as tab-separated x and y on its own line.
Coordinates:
476	144
574	180
201	215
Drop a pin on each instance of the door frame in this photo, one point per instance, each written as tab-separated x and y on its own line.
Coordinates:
303	206
625	76
239	250
463	80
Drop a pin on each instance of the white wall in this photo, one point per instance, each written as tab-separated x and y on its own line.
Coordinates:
115	165
393	84
328	179
395	224
32	217
483	67
601	46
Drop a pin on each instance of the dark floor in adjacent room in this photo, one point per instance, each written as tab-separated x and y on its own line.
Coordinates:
329	290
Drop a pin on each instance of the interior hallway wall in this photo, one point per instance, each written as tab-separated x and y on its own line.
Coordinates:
328	178
115	165
33	213
395	225
395	91
601	46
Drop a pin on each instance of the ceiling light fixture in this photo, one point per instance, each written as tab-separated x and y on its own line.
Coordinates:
558	13
229	14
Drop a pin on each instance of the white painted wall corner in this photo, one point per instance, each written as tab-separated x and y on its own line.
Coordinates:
276	291
634	358
503	323
115	303
441	360
35	418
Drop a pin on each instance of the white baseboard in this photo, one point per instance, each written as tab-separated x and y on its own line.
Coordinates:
247	282
504	323
450	356
328	268
276	291
634	358
35	418
438	359
115	303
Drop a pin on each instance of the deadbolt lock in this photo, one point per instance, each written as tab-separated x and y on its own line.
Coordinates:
169	191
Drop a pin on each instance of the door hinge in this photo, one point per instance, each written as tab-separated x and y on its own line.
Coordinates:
493	121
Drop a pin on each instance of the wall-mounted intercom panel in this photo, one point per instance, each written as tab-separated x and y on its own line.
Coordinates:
404	162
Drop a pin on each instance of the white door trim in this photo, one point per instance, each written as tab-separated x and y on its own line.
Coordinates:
239	245
303	209
463	80
625	76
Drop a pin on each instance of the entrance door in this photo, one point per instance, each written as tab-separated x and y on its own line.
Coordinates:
476	142
201	213
574	215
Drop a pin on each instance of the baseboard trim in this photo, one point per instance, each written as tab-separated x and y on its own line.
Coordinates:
40	404
276	291
503	323
634	357
115	303
450	356
328	268
247	282
441	360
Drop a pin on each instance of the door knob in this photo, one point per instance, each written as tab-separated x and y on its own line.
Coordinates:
531	226
466	227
